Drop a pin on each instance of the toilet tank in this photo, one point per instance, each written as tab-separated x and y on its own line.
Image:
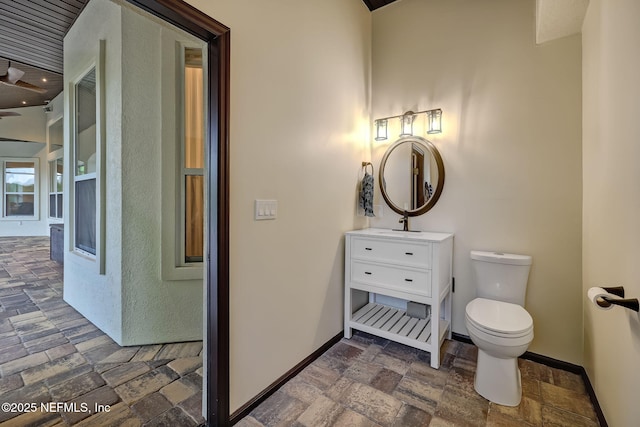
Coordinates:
500	276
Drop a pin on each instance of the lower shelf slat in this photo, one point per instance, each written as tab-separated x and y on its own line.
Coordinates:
384	319
393	321
373	319
426	332
418	329
393	324
403	321
358	315
408	327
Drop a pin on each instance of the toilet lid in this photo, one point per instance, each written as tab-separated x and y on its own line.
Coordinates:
498	316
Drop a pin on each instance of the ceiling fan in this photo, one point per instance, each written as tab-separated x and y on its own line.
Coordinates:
8	114
12	78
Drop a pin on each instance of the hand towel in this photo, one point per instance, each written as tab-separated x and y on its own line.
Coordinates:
366	194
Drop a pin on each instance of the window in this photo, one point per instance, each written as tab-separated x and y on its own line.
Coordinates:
192	164
183	165
55	188
84	176
85	173
85	216
20	188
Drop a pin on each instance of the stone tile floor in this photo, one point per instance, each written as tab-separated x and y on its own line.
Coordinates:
50	353
367	381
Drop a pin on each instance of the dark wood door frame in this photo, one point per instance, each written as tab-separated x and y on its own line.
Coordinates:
217	36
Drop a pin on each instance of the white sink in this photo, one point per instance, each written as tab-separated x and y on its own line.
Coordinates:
414	234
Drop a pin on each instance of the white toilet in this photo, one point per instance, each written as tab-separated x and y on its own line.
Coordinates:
498	324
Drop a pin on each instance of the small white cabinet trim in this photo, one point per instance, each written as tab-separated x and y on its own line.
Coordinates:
406	266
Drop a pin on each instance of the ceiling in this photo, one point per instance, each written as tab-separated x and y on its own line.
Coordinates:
14	97
31	38
556	19
32	32
375	4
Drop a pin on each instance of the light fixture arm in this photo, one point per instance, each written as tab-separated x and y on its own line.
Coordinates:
434	117
409	113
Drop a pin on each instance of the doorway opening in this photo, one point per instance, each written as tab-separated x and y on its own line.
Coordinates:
216	259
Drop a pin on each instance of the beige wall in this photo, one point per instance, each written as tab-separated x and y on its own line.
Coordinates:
511	144
299	108
611	206
299	124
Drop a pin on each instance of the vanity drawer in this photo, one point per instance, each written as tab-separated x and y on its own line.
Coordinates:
392	251
402	279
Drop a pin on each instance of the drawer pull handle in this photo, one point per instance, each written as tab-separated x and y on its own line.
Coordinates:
367	249
367	272
408	280
408	253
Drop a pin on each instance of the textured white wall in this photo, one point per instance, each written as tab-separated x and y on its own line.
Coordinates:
299	123
154	310
131	302
97	297
510	143
611	248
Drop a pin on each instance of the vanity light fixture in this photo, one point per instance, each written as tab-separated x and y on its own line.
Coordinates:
381	129
434	117
407	123
434	122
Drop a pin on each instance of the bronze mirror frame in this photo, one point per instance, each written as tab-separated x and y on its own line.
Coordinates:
437	189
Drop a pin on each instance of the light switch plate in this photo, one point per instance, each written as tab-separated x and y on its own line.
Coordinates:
266	209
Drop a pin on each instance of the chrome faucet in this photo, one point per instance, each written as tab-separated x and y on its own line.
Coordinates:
405	221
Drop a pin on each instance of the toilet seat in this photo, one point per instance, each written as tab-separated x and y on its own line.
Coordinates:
498	318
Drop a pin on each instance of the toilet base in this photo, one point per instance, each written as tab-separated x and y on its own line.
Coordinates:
498	380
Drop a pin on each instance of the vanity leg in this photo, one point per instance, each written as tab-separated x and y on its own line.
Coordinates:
447	314
347	312
348	309
435	335
435	358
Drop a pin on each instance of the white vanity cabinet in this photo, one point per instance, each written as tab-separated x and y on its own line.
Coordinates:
384	270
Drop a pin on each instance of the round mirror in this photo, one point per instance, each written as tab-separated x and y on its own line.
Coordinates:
411	175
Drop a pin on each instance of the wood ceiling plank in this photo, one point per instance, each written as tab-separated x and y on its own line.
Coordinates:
34	18
44	8
51	63
28	45
14	31
23	54
77	4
